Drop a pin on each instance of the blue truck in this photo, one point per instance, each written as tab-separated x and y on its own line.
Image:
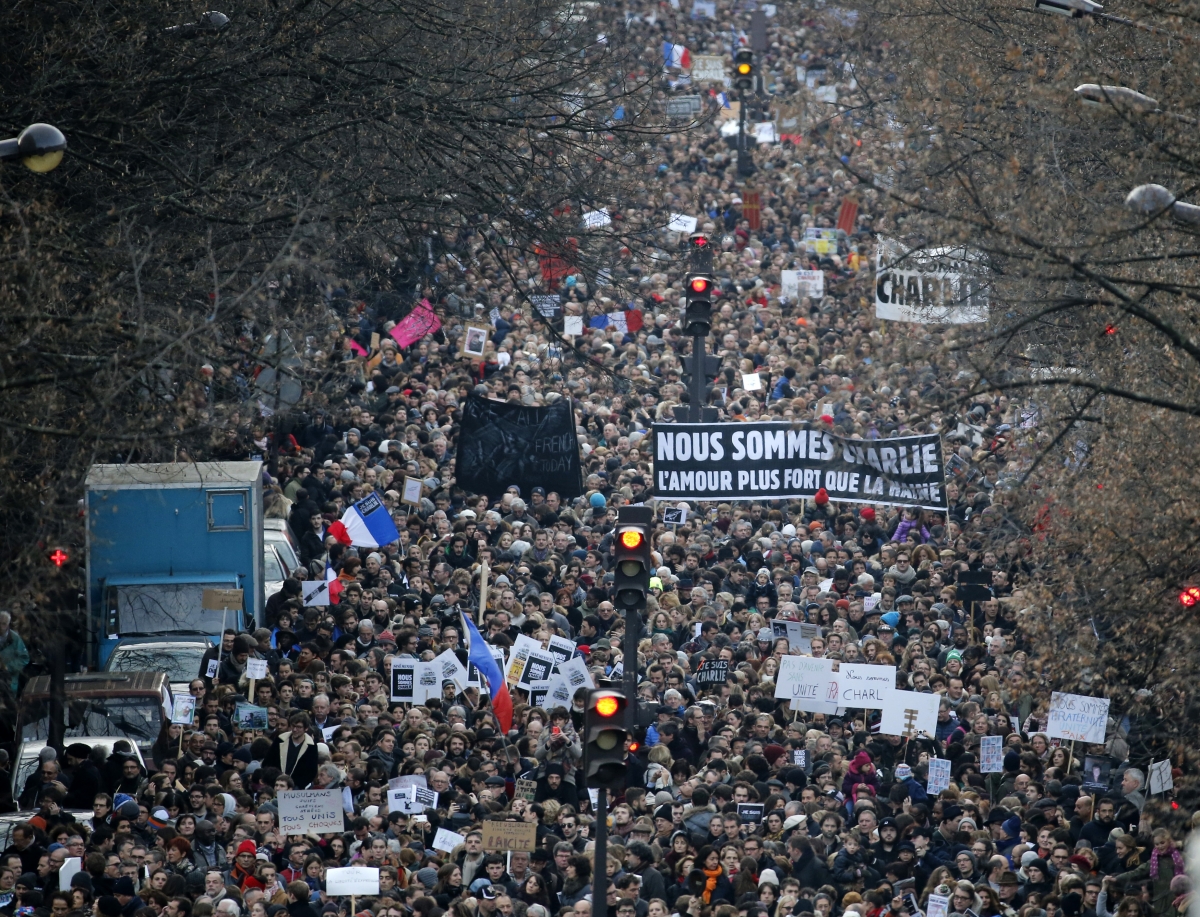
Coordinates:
160	536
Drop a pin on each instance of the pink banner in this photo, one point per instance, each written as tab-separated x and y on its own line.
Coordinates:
414	326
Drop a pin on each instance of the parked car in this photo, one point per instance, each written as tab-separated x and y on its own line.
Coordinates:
10	820
118	705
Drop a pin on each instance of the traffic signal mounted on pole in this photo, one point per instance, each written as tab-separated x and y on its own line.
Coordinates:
631	572
743	70
700	256
697	314
605	737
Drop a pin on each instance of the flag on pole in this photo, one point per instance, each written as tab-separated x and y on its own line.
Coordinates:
478	653
625	322
676	56
366	524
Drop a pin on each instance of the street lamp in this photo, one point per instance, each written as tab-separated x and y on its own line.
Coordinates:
40	147
1149	200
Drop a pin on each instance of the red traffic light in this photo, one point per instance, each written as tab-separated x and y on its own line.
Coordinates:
59	557
1190	597
1110	329
699	241
700	284
608	706
632	538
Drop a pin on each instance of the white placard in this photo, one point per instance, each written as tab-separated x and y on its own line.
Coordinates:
937	905
310	811
446	841
411	800
764	132
256	668
1077	718
939	777
991	754
808	683
869	602
909	713
573	325
212	669
427	681
352	880
596	219
451	669
825	94
66	872
932	286
575	671
704	9
752	382
806	283
798	634
403	680
826	584
682	223
539	666
521	648
560	648
865	686
327	732
1160	777
558	693
708	68
316	593
185	710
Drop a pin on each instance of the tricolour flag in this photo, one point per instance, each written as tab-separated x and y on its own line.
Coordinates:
676	56
366	524
478	653
624	322
335	584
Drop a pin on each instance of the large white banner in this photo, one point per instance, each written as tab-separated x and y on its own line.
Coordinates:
865	686
933	286
810	684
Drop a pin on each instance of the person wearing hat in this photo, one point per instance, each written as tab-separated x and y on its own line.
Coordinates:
127	896
81	776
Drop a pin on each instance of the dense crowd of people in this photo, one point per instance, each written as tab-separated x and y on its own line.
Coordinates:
848	828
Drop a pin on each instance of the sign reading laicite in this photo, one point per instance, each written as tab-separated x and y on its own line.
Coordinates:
766	461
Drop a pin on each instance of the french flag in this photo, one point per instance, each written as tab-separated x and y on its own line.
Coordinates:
478	653
335	584
366	524
625	322
676	56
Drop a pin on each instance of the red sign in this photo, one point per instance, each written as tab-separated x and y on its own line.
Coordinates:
847	216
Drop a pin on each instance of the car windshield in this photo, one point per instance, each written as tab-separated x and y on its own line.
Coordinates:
136	718
179	663
271	569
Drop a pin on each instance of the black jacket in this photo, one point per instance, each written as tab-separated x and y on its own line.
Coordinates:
304	768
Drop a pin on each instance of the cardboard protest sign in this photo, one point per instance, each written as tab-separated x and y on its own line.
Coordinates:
310	811
909	714
256	668
939	776
521	648
403	680
451	669
712	672
185	710
352	880
538	667
526	789
1077	718
751	813
865	686
446	841
991	754
560	648
808	684
315	593
509	835
575	671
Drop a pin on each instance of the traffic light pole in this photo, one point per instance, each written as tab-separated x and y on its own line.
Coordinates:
698	377
629	663
600	895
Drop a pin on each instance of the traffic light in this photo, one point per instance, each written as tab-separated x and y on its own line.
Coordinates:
631	572
1190	597
700	256
743	70
697	315
604	751
58	557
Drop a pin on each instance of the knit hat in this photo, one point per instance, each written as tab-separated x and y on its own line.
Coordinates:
903	772
768	877
427	876
247	847
867	514
108	906
821	497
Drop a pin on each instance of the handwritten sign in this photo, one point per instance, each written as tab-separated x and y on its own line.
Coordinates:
808	683
446	841
310	811
865	686
712	672
509	835
526	789
221	599
256	668
352	880
1077	718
